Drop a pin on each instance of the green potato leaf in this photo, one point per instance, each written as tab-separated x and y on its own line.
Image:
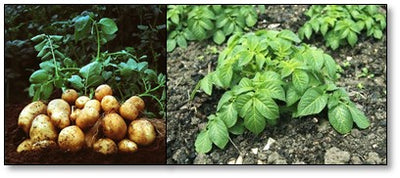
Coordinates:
300	80
219	37
171	44
238	128
76	82
352	38
218	132
48	66
108	26
312	102
206	84
289	35
229	115
358	117
181	41
291	96
266	106
46	90
39	76
253	119
340	118
203	142
81	23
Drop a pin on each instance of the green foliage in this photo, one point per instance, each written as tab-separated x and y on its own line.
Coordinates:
186	23
339	24
150	40
268	73
365	73
122	70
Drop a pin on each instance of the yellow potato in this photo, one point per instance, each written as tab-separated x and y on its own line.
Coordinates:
70	96
57	104
114	126
81	101
71	138
29	113
128	111
87	117
29	145
93	104
105	146
26	145
131	108
44	144
127	146
101	91
138	102
142	132
59	110
74	114
42	129
109	104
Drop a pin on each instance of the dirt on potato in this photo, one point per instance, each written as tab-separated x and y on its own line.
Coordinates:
307	140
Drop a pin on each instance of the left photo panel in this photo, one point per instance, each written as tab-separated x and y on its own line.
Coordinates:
85	84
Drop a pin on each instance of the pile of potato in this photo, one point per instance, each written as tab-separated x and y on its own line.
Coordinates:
74	122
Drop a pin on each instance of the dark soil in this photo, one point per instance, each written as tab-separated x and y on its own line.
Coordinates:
309	140
152	154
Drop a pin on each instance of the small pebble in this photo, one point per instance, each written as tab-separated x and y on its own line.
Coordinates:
374	146
269	143
239	160
231	161
274	25
356	160
254	150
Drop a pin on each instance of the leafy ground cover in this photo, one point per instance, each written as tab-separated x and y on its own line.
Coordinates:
308	140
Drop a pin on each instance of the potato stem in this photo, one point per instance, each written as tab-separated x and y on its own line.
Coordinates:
54	57
98	42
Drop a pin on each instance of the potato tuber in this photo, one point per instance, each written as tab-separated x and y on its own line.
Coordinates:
102	91
42	129
109	104
81	101
114	126
127	146
29	113
142	132
59	110
70	96
105	146
71	138
131	108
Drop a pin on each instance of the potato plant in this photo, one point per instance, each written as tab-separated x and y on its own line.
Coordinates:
123	71
339	24
93	128
269	73
89	113
186	23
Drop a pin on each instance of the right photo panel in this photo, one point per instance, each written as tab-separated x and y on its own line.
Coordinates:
277	84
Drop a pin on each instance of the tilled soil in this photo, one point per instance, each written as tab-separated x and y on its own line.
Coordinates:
308	140
152	154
